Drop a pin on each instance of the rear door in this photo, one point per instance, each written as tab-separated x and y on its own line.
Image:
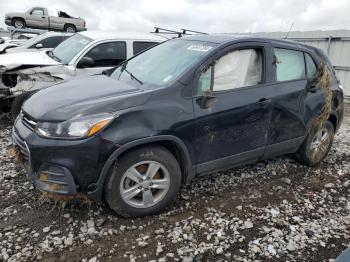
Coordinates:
232	106
287	129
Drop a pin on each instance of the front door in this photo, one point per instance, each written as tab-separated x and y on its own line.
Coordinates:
232	107
38	19
105	56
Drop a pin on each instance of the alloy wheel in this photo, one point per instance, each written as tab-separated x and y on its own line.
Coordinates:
319	144
19	24
144	184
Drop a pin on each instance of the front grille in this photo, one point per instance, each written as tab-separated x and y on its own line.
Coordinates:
28	121
18	141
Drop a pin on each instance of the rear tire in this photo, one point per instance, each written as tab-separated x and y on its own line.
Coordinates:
316	145
70	28
18	23
132	194
17	104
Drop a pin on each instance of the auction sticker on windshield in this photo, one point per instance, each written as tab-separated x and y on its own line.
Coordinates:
200	48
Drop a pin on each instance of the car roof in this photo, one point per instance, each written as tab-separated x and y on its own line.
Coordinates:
95	35
51	33
225	38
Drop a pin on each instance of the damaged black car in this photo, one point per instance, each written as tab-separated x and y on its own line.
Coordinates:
189	106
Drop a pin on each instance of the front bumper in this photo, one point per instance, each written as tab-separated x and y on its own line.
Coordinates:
61	166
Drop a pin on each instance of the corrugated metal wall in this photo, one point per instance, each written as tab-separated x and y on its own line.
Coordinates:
335	43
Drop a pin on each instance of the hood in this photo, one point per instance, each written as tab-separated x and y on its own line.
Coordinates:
83	96
12	14
14	60
5	45
18	49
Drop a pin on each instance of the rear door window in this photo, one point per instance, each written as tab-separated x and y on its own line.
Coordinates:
290	65
139	46
311	67
108	54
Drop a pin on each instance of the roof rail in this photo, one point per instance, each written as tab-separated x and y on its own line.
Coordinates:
13	30
184	31
159	30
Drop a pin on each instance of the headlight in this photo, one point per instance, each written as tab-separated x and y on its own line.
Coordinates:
75	128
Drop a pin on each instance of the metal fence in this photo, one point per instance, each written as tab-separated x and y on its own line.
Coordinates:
336	43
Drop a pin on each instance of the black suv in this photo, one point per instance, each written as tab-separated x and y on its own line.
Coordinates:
188	106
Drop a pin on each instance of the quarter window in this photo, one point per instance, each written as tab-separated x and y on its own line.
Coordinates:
108	54
237	69
311	68
138	46
290	65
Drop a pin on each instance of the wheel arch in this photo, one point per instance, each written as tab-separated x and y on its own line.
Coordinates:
69	24
174	144
18	18
333	118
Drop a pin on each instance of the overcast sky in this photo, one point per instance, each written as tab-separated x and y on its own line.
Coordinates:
213	16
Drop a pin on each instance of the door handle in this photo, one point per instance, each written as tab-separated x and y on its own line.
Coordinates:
262	100
312	89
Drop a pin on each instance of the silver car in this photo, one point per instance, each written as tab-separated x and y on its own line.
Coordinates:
38	17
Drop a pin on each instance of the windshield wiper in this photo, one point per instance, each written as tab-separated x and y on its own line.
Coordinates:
50	54
131	74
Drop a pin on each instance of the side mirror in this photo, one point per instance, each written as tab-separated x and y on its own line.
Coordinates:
86	62
39	45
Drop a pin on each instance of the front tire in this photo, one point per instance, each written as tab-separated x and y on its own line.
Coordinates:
144	182
18	23
316	145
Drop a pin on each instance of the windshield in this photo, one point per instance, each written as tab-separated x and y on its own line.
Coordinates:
69	48
164	63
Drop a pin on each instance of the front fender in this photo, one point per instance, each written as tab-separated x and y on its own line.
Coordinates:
96	193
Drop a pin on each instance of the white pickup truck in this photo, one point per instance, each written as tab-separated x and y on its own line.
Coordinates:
82	54
38	17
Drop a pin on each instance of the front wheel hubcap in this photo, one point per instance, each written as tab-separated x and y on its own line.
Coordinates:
145	184
319	144
19	24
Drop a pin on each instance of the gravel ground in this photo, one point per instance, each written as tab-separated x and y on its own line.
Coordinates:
270	211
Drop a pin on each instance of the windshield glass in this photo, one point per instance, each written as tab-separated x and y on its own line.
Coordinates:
164	63
69	48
